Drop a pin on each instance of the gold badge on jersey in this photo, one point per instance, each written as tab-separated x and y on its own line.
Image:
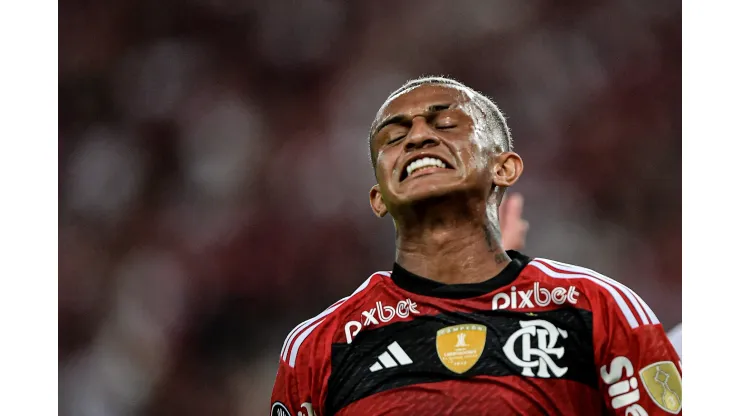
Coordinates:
663	384
459	347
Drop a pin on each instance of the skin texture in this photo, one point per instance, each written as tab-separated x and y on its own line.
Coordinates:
513	226
443	230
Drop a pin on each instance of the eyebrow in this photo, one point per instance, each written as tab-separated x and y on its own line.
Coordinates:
400	118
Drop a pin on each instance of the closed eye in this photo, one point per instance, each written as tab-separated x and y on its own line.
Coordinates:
445	121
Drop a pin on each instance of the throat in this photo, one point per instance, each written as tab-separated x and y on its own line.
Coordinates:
450	239
452	259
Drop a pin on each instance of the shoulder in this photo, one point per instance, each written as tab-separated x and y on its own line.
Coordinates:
602	292
306	335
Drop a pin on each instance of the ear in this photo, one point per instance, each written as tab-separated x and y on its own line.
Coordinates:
507	169
376	202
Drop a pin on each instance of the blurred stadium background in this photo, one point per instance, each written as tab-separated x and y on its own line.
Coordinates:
214	170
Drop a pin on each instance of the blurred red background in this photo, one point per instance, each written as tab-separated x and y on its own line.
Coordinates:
214	170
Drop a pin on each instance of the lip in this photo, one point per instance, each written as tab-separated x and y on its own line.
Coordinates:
422	155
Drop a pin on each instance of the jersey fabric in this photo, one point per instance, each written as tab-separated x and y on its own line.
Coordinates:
540	338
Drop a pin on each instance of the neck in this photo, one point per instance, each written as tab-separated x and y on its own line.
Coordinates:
453	245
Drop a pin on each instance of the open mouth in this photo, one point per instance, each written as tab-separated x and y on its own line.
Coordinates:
423	165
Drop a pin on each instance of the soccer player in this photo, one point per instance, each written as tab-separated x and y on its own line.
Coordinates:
460	326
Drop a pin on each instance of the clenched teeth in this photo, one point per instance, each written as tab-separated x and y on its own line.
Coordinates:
424	163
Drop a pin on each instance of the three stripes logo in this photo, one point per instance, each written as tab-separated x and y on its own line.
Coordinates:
392	357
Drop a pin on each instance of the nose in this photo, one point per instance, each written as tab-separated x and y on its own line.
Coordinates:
420	135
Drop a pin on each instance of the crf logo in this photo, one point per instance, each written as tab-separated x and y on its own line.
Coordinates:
622	386
380	313
541	296
537	357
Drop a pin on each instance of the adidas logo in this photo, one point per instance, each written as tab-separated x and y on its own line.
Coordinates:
386	359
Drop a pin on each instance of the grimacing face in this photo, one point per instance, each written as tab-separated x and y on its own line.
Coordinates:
434	123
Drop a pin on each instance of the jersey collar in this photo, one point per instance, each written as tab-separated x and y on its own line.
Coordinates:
427	287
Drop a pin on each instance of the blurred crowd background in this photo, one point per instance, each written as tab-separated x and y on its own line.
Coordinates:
214	170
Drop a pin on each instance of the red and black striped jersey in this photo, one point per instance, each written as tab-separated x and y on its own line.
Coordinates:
540	338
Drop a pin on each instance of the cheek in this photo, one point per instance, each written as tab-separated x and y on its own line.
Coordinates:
471	157
476	164
384	167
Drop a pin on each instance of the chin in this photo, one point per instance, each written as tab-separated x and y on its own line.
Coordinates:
426	193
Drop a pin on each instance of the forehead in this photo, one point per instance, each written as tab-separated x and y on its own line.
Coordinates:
418	99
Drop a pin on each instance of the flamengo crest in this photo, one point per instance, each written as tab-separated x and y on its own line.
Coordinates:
537	355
